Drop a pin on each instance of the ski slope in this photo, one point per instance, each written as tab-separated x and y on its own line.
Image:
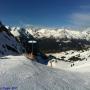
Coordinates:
24	74
66	64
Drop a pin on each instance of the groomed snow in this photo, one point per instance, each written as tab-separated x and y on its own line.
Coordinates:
24	74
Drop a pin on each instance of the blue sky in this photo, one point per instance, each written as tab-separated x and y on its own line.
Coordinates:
51	13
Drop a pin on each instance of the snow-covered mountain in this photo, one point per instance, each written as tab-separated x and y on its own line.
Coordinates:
8	43
55	33
59	33
57	39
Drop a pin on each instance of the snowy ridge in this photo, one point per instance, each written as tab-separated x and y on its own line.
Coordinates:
55	33
15	31
8	43
19	72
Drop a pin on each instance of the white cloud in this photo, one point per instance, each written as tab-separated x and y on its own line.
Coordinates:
84	7
80	19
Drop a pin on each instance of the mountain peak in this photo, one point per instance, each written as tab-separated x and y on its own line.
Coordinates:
8	43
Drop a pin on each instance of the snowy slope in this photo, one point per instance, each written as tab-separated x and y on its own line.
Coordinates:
8	43
15	31
62	60
81	67
23	74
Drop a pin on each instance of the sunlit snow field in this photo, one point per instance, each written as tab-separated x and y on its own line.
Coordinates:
24	74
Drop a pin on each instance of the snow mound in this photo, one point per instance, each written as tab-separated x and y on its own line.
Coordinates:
20	72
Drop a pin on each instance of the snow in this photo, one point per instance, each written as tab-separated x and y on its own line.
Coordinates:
56	33
84	68
59	33
24	74
21	73
15	31
9	40
66	64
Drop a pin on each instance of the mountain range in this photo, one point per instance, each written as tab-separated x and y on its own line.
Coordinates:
55	33
55	40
